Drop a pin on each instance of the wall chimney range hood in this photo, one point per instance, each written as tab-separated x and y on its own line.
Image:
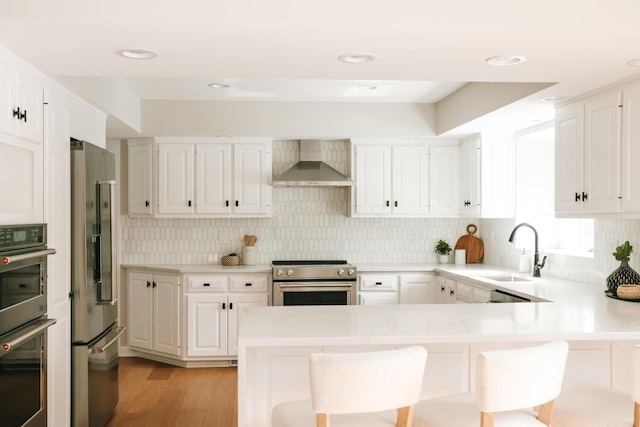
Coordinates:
311	171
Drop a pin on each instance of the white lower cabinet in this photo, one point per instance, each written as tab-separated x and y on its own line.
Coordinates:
378	289
154	312
214	306
418	288
445	291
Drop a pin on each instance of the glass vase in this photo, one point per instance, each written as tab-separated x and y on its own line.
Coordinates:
623	275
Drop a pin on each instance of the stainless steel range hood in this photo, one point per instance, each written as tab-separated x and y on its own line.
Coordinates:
311	171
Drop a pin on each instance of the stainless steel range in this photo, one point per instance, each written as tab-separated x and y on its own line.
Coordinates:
314	282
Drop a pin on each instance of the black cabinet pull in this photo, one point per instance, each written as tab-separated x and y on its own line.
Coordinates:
577	197
442	288
146	203
226	203
148	283
451	292
378	283
16	113
230	306
387	203
584	196
248	284
224	305
237	203
395	203
154	284
189	203
23	116
206	284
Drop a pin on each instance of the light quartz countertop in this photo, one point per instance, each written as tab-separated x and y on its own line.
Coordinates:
572	311
200	268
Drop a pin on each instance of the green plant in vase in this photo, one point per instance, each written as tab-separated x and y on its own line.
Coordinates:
443	249
624	274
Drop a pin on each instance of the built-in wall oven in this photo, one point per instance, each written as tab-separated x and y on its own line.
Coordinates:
23	324
314	282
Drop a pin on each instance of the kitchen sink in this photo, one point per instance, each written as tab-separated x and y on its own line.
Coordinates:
507	278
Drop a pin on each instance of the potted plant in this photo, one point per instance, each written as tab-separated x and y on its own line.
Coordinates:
624	274
443	250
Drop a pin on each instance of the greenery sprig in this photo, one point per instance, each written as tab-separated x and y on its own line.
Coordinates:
623	251
443	248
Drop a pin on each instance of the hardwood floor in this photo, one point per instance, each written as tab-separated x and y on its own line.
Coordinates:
155	394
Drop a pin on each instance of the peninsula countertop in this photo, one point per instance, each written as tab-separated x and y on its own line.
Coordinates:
572	311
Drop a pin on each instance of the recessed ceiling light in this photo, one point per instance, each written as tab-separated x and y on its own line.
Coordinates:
367	87
138	53
505	60
358	58
553	98
634	62
218	85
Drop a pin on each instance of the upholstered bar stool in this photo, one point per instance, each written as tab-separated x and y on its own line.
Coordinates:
510	383
599	406
367	389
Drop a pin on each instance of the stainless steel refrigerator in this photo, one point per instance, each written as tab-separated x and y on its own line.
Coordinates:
94	327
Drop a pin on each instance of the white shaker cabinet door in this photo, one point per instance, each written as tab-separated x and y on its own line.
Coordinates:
207	324
214	179
252	178
140	180
410	180
175	178
373	180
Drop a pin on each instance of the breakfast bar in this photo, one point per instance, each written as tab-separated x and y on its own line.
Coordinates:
274	342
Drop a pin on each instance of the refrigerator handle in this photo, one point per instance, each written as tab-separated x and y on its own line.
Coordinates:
105	290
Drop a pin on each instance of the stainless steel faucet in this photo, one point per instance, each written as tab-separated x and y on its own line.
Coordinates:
537	265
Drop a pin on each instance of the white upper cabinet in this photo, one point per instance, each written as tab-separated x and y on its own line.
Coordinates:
200	177
588	147
487	176
392	178
630	156
176	178
443	180
21	103
140	168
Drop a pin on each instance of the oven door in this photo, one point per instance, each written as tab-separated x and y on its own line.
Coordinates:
23	291
314	293
23	375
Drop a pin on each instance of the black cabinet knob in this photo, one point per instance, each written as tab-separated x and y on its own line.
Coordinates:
146	203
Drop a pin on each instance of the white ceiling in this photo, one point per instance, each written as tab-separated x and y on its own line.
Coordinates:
287	49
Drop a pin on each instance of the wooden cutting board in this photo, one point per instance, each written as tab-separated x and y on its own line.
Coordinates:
471	244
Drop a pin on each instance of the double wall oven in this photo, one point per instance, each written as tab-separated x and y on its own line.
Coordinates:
314	282
23	324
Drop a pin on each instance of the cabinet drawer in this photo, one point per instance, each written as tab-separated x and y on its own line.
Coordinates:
379	282
207	283
249	283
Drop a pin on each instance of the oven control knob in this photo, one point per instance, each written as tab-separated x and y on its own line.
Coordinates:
352	271
279	272
341	272
289	272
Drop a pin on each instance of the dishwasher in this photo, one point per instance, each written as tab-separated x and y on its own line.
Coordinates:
498	296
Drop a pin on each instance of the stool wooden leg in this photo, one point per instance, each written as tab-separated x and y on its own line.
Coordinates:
322	420
405	417
544	413
486	419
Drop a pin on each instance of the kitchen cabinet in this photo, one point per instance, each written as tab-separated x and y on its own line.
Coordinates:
214	305
378	289
418	288
200	177
21	103
443	180
487	176
391	180
588	155
154	312
140	169
446	290
630	155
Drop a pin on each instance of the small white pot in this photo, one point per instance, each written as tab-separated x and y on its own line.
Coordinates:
444	259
